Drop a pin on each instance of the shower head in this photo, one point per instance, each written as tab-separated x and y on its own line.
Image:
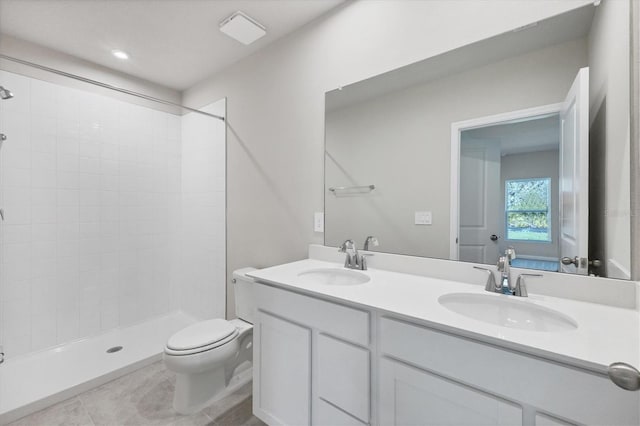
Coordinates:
5	93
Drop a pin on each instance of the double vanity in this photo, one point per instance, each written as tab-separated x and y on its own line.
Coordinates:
336	346
481	150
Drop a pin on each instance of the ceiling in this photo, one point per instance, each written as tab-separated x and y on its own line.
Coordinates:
532	135
175	43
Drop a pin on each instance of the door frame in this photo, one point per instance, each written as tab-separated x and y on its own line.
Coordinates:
457	128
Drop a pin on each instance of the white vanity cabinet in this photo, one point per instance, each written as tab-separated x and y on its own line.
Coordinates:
429	377
317	362
312	361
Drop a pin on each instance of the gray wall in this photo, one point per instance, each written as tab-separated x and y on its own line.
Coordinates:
609	89
275	106
401	143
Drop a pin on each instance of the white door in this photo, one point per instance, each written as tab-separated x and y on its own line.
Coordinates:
480	196
574	175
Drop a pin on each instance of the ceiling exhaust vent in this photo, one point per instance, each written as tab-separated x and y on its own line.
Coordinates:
242	28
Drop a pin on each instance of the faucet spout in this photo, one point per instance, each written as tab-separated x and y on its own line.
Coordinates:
504	266
353	259
505	275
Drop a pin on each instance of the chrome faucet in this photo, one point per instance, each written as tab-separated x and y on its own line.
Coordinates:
520	289
353	259
491	281
370	240
504	267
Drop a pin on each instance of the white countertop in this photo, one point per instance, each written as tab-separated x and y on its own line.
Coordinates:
605	334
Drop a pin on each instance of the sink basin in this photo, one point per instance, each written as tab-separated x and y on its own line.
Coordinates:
507	312
333	276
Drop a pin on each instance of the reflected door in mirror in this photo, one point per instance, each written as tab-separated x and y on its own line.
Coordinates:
479	200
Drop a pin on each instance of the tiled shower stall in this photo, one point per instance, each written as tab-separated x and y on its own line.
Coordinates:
114	214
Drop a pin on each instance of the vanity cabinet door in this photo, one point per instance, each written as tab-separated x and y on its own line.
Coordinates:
343	377
282	382
412	396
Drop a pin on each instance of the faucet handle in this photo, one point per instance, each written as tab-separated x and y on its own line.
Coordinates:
347	245
521	288
491	280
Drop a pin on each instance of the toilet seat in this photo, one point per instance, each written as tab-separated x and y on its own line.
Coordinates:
200	337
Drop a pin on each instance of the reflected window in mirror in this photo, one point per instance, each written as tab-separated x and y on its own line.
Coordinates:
528	210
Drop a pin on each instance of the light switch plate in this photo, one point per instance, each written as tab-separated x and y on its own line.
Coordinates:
318	222
423	218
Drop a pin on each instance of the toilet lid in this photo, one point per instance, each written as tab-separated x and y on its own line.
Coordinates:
201	334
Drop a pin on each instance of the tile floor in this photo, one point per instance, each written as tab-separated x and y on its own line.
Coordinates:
143	397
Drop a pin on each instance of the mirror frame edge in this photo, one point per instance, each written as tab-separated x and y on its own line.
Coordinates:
634	75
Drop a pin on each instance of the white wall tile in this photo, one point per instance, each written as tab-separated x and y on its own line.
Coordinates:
12	176
43	331
16	233
201	273
93	239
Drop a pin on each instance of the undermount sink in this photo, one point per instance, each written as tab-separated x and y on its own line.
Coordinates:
505	311
333	276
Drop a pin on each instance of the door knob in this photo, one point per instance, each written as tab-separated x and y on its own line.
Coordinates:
494	237
595	263
624	375
571	261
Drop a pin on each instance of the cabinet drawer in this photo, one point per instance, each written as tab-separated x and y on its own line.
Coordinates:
565	392
344	376
340	321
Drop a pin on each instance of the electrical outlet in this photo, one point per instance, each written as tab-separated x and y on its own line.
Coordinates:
423	218
318	222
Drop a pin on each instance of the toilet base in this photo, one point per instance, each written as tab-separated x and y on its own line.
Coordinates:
195	392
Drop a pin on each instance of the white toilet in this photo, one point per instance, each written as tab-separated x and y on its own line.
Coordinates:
213	358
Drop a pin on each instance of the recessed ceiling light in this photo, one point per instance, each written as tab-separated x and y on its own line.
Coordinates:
242	28
120	54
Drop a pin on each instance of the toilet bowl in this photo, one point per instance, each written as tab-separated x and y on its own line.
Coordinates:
213	358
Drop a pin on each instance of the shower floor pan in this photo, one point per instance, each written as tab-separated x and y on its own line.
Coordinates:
34	381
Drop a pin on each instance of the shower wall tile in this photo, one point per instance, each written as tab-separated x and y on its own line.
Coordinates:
115	213
91	188
202	276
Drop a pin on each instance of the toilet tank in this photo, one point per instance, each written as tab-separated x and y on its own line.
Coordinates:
244	295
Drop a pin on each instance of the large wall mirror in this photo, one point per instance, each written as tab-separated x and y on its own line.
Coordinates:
521	140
